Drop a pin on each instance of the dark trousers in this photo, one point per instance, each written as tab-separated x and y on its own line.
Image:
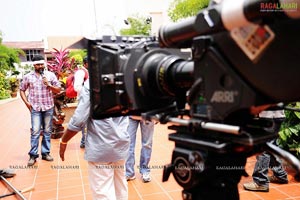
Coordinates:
266	161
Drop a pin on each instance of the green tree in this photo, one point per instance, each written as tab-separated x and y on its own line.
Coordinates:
78	55
180	9
139	25
9	56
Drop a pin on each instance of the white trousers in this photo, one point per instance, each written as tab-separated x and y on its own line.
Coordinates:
107	180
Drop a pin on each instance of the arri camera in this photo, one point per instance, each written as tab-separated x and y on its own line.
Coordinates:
208	77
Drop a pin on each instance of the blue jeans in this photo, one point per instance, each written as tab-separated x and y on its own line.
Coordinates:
266	161
147	129
41	120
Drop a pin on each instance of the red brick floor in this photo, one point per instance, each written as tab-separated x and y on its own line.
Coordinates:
52	183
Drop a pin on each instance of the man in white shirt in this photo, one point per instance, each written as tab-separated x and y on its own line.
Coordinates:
80	77
107	145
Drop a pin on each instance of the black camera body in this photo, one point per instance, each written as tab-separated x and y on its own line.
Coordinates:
136	76
131	78
231	81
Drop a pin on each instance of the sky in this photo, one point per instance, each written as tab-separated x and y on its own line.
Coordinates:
33	20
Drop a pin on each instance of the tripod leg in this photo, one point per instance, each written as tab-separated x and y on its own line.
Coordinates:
11	187
13	193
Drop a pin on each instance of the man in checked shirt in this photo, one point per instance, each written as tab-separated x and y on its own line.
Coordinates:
41	85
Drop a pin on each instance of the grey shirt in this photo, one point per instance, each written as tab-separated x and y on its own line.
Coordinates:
107	139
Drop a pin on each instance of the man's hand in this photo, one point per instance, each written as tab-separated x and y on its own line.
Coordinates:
24	98
68	134
28	105
62	149
45	81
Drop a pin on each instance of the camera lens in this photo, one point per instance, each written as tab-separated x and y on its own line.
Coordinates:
164	74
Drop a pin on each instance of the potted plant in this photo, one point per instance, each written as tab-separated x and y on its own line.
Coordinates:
14	86
61	64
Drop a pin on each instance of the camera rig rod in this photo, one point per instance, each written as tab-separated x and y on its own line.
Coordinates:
193	123
206	125
166	115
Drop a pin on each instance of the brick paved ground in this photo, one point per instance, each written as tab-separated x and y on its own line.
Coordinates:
50	182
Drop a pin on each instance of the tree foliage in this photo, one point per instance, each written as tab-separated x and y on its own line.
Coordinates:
78	55
4	87
139	25
180	9
289	134
9	56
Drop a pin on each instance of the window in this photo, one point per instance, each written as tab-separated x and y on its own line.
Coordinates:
30	53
